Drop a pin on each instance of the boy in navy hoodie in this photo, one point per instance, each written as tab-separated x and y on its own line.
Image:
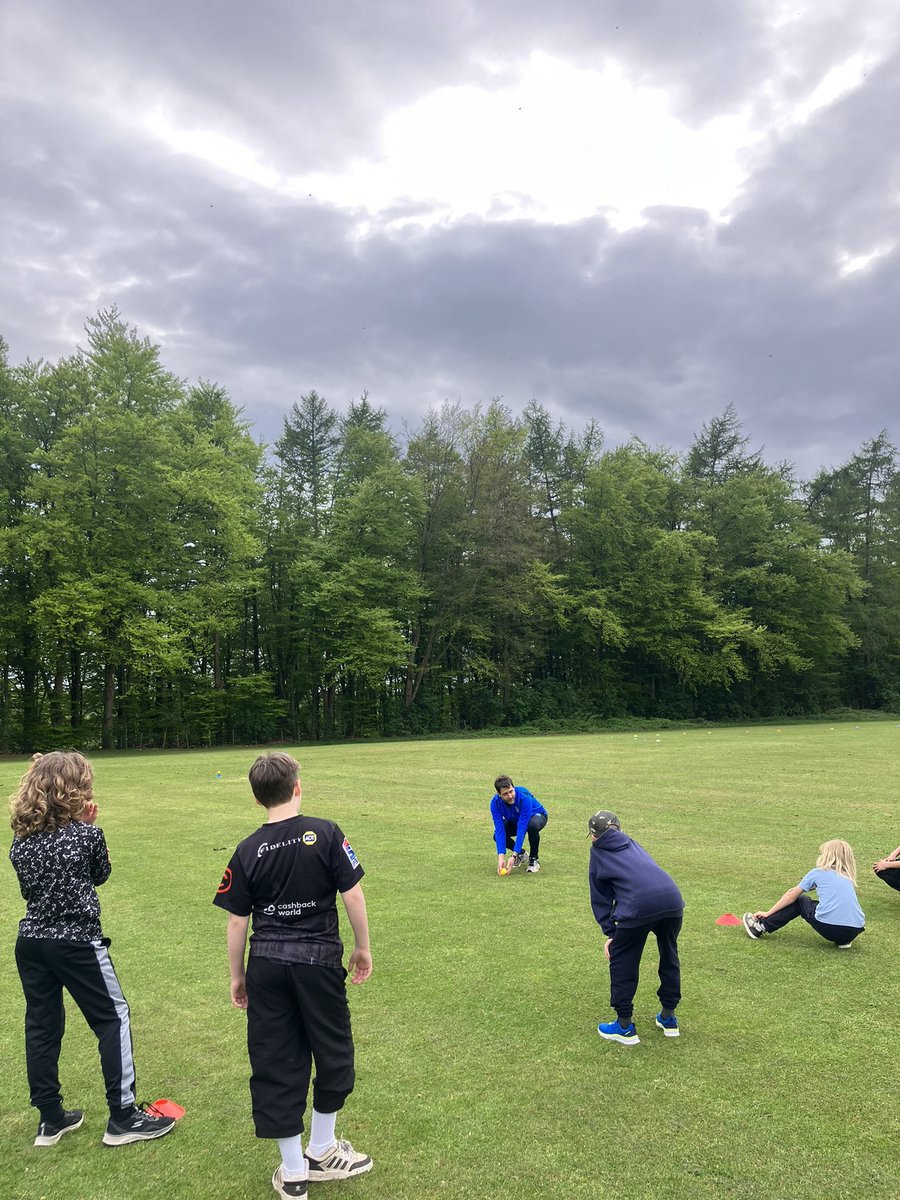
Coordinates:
632	897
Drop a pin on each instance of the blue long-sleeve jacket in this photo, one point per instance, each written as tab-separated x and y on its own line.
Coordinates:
627	887
521	810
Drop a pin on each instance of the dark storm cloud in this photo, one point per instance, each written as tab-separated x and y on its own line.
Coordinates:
650	332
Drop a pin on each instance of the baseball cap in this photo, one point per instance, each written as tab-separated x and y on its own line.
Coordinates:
601	821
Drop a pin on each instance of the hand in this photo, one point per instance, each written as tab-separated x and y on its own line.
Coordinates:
606	946
359	968
239	992
89	812
759	915
502	865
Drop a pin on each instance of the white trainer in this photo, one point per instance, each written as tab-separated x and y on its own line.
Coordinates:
341	1161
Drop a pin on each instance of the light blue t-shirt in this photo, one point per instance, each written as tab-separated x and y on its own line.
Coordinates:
838	904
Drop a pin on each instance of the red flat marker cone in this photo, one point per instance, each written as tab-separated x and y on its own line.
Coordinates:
728	919
166	1108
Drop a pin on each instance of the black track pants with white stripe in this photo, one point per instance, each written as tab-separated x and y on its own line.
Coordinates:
85	970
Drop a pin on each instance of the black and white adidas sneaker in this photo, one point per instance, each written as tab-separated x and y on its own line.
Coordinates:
340	1162
288	1189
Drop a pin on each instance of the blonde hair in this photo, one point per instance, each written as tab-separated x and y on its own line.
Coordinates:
51	793
837	855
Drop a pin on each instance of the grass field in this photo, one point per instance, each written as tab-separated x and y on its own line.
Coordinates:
479	1069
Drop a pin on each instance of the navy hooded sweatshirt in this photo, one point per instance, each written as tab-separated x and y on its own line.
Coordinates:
627	887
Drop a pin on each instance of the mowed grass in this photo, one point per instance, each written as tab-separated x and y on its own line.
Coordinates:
479	1069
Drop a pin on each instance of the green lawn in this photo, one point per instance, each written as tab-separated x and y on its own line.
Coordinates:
479	1068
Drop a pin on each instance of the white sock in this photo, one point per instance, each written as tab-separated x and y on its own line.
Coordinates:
321	1133
292	1160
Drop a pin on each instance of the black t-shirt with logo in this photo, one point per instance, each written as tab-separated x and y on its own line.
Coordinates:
287	875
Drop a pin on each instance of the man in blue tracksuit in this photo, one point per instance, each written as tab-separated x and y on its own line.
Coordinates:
516	812
632	897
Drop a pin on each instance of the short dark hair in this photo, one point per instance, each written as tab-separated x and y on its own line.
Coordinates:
502	781
272	778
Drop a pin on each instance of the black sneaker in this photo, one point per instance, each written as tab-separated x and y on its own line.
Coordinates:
49	1132
288	1189
753	926
139	1127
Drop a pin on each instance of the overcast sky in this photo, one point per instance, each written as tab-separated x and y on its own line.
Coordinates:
632	210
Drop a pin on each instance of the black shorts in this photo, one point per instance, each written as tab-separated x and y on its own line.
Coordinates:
296	1013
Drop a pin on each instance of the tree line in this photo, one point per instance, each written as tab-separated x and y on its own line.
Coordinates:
166	582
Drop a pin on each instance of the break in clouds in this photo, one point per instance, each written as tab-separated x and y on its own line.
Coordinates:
783	305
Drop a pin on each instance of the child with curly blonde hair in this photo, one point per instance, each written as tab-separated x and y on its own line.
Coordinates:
836	915
60	857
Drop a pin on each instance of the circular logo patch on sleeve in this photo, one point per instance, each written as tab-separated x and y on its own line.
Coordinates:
225	885
309	839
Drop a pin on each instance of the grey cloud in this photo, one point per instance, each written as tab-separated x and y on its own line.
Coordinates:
651	332
308	84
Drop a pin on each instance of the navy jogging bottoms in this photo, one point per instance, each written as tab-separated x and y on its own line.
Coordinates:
625	953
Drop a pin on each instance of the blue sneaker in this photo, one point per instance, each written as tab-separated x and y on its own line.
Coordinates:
614	1032
669	1025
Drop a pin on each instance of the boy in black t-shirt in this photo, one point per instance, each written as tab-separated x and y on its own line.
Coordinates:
286	875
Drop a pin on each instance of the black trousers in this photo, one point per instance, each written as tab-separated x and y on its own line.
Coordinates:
296	1013
533	829
86	971
891	877
806	908
625	953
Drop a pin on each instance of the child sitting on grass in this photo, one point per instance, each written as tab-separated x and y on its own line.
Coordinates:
836	915
60	857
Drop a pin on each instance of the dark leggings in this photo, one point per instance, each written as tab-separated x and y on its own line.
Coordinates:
891	877
535	825
803	907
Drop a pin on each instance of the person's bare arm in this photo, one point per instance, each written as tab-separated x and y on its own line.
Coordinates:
237	945
789	897
360	965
